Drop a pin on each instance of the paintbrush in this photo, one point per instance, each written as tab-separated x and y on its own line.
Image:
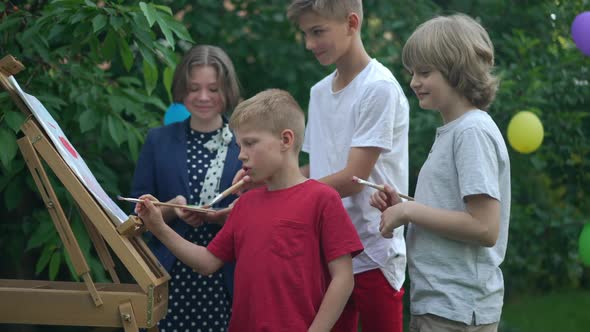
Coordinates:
378	187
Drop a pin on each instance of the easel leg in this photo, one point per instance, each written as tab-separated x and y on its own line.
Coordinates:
57	214
101	247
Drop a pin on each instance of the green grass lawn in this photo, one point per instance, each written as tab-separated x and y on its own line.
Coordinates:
566	311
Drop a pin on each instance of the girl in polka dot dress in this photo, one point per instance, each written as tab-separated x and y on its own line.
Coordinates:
191	162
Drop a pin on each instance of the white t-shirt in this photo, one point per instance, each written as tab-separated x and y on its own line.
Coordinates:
371	111
453	279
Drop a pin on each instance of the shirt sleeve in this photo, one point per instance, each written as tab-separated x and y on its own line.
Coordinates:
223	244
476	160
338	235
375	116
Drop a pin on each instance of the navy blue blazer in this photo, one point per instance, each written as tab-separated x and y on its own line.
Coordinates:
161	170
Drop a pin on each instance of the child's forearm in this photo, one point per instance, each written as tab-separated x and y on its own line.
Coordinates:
333	303
361	162
342	183
197	257
476	226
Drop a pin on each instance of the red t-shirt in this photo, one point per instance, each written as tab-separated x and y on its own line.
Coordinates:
282	241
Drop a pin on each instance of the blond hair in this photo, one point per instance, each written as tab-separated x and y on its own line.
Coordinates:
460	48
333	9
272	110
207	55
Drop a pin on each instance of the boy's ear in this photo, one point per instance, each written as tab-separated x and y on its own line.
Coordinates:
287	139
354	22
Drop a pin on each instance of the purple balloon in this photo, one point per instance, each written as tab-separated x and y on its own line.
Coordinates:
581	32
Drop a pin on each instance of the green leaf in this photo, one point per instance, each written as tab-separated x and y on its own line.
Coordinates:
119	103
167	80
8	22
142	33
80	232
129	80
109	45
9	146
165	9
88	120
116	129
146	53
149	11
98	22
125	52
150	76
116	22
168	56
13	193
51	101
42	235
164	26
43	260
133	144
98	271
156	102
14	120
79	17
180	30
56	31
54	265
71	268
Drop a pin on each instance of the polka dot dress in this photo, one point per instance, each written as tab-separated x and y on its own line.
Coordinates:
197	303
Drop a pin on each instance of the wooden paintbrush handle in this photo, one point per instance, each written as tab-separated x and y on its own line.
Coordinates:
235	187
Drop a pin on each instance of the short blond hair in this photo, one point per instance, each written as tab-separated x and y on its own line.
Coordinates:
461	49
208	55
332	9
272	110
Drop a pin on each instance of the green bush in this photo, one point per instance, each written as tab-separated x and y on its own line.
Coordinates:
94	66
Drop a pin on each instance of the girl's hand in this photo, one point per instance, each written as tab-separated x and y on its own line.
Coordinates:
192	218
196	219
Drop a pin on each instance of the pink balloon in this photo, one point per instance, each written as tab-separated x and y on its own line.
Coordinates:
581	32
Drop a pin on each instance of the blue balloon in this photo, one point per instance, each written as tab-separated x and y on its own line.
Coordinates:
176	113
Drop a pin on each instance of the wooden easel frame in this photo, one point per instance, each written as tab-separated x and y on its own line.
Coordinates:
131	306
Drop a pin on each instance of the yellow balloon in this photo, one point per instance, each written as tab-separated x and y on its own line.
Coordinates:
525	132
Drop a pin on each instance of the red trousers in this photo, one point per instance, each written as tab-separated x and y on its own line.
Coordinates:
379	306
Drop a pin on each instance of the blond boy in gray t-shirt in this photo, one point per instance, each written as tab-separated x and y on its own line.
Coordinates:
458	223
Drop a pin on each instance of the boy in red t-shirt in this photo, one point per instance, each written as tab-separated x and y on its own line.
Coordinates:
292	239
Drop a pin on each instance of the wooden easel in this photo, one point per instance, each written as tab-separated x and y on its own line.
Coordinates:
131	306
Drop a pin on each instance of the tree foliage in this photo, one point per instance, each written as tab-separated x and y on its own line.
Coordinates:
94	66
103	69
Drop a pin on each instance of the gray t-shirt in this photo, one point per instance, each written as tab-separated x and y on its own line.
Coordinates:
451	279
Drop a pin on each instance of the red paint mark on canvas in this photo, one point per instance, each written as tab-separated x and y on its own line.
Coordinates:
67	145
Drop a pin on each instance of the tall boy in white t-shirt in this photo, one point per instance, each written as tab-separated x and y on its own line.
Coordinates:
357	126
